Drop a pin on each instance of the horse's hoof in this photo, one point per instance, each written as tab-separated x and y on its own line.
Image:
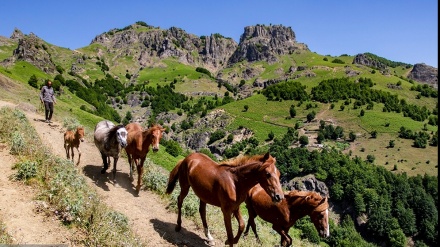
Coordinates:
210	242
103	171
177	229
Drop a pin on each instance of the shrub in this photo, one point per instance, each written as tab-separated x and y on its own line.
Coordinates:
217	135
303	140
337	60
25	170
33	81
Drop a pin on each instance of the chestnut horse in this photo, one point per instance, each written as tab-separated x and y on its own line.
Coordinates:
225	185
110	139
283	215
72	140
138	145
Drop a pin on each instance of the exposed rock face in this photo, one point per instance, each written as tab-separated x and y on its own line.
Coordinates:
17	35
308	183
424	74
198	137
211	52
33	50
265	43
365	60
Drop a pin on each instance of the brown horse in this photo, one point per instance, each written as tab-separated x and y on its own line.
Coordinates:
138	145
283	215
225	185
72	140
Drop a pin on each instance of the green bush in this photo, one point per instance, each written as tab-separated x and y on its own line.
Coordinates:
25	170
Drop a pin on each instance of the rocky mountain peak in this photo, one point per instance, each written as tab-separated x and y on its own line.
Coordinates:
266	43
17	34
31	49
145	43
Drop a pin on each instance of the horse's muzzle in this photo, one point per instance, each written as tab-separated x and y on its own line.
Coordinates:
155	149
277	198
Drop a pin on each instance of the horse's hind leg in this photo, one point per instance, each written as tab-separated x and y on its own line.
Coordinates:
184	189
202	211
251	222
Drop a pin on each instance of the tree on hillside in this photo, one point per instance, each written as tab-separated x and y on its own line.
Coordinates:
292	111
33	81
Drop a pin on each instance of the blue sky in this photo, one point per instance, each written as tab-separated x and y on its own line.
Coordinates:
402	31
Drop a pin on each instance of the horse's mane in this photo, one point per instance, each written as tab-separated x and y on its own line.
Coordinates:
241	160
112	132
316	198
154	127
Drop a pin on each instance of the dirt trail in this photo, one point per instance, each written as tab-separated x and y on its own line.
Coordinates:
146	212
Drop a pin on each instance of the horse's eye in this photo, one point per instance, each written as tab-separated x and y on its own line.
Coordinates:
268	175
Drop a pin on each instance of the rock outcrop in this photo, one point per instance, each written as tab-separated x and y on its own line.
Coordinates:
424	74
211	52
308	183
33	50
266	43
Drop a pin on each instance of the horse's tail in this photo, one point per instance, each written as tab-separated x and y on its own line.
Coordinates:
174	175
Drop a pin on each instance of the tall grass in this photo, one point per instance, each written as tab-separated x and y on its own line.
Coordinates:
60	183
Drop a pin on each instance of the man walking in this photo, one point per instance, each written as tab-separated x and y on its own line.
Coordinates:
47	97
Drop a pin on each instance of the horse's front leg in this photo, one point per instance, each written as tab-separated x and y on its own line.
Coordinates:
202	211
106	162
240	222
228	225
79	155
115	161
130	160
72	153
284	236
66	147
140	170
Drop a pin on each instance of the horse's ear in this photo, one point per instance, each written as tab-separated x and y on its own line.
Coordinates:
267	156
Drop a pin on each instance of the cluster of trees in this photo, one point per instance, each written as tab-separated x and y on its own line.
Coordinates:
163	98
333	90
329	132
290	90
395	205
421	138
425	90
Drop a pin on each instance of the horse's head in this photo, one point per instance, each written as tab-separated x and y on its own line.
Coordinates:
80	133
121	135
156	135
319	217
270	178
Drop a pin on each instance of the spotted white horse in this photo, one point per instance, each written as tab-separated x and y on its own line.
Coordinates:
110	139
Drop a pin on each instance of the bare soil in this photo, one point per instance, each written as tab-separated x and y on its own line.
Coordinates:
147	213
